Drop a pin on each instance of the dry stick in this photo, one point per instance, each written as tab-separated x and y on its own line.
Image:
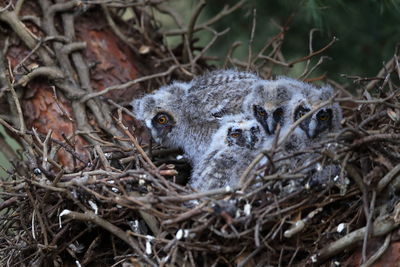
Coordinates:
309	114
387	66
230	52
186	215
150	220
378	253
265	47
192	22
397	66
4	80
224	12
313	54
311	50
166	9
307	73
369	213
200	195
25	35
130	83
388	178
129	42
91	217
381	226
45	151
49	72
134	141
204	50
250	43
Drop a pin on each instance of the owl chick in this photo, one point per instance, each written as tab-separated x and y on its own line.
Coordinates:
185	115
160	111
209	98
324	120
232	148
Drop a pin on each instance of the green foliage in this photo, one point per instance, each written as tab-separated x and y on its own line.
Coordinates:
367	30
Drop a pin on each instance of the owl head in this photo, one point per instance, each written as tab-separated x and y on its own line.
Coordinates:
239	131
324	120
160	111
267	103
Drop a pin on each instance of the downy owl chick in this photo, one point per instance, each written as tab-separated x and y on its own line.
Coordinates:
324	120
185	115
210	98
232	149
161	112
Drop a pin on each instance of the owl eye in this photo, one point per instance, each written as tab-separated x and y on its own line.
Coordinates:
324	115
259	111
278	113
235	133
162	119
300	112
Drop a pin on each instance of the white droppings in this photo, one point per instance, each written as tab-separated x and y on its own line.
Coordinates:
341	227
247	209
314	258
64	212
179	157
237	213
78	264
108	155
179	234
149	237
307	186
93	206
228	188
114	189
142	182
119	206
336	178
319	167
111	182
165	259
336	263
186	233
148	248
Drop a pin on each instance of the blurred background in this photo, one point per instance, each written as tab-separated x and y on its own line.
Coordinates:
367	31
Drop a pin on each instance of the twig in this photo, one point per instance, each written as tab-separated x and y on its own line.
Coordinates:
378	253
381	226
313	54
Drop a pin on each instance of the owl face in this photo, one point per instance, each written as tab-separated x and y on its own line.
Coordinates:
161	125
267	103
269	118
242	137
239	131
160	112
324	119
318	123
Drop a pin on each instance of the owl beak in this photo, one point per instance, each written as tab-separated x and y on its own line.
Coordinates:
312	129
271	125
251	140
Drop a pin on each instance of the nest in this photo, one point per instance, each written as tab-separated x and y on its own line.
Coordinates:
130	207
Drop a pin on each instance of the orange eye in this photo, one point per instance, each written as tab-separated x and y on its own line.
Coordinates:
235	135
162	119
323	117
261	113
